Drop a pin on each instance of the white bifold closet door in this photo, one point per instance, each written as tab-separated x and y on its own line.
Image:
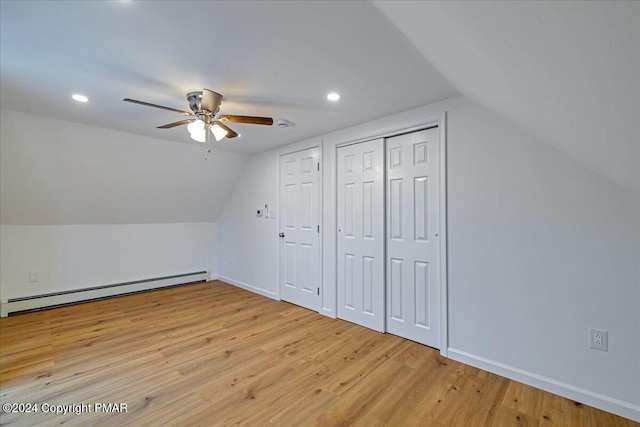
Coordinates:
360	246
413	256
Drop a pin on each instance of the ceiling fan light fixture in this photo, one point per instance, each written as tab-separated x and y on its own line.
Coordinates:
197	131
200	136
197	126
218	132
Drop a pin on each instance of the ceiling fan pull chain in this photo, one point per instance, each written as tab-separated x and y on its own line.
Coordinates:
207	144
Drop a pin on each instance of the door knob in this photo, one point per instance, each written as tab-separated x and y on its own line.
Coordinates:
281	235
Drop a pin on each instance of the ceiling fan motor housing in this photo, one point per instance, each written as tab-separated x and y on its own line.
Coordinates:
205	101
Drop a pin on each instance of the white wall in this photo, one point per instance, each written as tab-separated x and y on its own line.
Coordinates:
540	249
71	257
58	172
87	206
248	244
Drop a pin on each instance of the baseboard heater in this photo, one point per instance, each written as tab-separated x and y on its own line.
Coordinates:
57	299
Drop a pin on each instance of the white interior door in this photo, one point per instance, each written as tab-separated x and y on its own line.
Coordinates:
300	229
360	234
413	256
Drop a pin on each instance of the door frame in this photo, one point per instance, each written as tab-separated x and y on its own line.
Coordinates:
290	150
441	123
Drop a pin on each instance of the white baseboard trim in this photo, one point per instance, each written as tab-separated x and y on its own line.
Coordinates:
328	312
597	400
37	302
247	287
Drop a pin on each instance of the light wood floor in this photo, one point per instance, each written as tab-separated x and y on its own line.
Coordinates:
212	354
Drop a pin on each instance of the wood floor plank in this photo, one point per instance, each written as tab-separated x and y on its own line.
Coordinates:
211	354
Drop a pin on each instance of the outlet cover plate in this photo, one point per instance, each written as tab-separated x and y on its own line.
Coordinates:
599	339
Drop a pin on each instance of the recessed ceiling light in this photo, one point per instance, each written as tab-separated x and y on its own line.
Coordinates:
80	98
333	96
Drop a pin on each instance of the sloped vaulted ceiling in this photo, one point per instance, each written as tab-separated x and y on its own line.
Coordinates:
268	58
567	72
66	163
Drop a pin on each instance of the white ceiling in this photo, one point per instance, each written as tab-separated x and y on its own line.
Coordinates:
276	59
567	72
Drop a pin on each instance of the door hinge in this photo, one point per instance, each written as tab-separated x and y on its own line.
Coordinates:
318	228
318	291
318	165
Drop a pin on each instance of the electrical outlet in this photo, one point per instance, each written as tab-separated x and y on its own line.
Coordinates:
34	277
599	339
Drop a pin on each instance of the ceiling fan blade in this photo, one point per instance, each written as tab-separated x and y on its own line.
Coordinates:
174	124
210	101
230	132
247	119
148	104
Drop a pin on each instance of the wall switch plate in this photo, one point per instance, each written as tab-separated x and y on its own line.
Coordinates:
599	339
34	277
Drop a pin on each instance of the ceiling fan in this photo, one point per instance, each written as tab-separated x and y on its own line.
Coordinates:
204	115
